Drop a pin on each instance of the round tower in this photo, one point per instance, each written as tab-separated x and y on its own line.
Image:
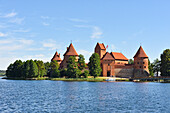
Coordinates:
141	63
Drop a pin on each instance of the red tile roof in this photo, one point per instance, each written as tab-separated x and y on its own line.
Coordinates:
71	51
140	53
102	46
56	57
107	56
118	56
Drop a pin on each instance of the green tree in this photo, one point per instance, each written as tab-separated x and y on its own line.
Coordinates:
47	67
85	74
41	68
165	63
72	68
26	68
130	61
33	71
81	62
9	71
63	72
150	67
54	72
18	68
156	66
94	65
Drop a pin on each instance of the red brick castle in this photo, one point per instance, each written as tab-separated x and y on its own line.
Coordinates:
113	63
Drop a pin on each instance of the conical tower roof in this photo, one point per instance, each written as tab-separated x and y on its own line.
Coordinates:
56	57
140	53
71	51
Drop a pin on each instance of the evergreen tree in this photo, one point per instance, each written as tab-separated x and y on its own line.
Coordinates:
63	72
54	72
94	65
10	71
47	67
72	68
41	68
150	66
156	66
130	61
33	72
165	63
81	62
26	68
85	74
17	68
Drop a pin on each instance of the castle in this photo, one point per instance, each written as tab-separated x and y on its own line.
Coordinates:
113	63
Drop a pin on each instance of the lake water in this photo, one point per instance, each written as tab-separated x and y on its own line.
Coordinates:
24	96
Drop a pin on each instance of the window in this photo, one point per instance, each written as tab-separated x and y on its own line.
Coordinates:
108	64
143	62
138	62
140	66
144	66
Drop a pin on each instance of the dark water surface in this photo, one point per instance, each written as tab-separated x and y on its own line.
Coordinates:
58	96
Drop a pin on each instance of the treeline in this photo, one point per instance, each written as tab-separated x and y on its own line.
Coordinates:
161	66
37	68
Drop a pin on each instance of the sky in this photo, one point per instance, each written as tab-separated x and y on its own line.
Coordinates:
36	29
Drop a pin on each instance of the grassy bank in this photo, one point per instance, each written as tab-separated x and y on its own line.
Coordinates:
61	79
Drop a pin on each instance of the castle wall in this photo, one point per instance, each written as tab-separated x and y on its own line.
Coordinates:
121	62
140	73
126	71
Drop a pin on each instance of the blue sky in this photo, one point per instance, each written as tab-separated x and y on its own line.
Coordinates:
35	29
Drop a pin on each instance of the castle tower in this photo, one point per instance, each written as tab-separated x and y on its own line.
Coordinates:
69	52
56	57
100	49
141	63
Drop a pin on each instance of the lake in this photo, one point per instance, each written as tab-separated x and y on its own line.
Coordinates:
26	96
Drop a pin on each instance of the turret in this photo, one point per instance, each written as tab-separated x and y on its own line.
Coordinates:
141	63
100	49
56	57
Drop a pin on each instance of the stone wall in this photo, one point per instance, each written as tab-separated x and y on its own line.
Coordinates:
124	72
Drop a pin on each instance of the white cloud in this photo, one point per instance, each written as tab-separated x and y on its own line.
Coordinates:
3	34
78	20
21	30
96	32
17	20
51	44
9	15
45	17
27	42
45	24
82	26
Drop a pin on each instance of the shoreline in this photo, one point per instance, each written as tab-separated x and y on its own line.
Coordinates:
99	79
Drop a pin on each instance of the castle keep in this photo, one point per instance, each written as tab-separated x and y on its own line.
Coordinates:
113	63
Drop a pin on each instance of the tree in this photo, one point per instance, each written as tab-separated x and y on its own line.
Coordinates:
156	66
47	67
85	74
26	68
94	65
150	66
130	61
33	71
41	68
18	68
9	71
63	72
81	62
54	72
165	63
72	68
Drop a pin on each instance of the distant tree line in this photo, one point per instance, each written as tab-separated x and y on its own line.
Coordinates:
37	68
